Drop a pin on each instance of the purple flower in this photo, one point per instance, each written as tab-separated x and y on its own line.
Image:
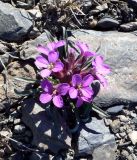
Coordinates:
85	49
53	64
54	94
100	69
80	88
51	47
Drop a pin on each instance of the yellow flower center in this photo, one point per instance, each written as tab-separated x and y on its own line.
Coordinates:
79	86
55	91
50	66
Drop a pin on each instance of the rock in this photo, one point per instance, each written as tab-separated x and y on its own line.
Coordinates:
123	118
107	23
15	69
35	12
123	134
5	133
92	23
17	121
86	5
133	3
34	33
115	109
23	5
119	51
18	129
28	49
115	126
15	24
107	122
46	133
131	26
134	115
102	7
133	137
38	156
95	139
125	153
17	156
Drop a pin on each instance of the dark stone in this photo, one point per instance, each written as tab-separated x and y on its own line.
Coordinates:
131	26
39	156
17	156
115	109
107	23
14	24
49	130
95	139
133	3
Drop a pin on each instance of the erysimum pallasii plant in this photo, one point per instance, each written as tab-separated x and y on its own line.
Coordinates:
69	79
67	72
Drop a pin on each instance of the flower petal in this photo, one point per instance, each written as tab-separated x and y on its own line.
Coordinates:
63	88
58	101
73	93
41	62
104	70
45	98
99	60
89	54
46	86
45	73
87	80
43	50
82	46
53	57
58	66
76	79
60	43
85	99
102	80
51	46
87	92
79	102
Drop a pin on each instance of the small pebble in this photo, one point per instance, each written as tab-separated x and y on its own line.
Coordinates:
115	126
133	137
123	118
19	129
17	121
107	121
125	153
133	115
130	149
14	114
123	134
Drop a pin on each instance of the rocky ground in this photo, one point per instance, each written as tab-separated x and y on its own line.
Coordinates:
27	130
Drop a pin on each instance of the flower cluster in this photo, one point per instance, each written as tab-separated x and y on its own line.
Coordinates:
69	78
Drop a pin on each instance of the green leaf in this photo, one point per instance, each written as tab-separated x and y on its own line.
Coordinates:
50	37
99	111
26	92
25	79
65	37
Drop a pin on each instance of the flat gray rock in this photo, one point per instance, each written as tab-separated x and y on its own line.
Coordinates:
14	23
120	52
29	48
95	139
107	23
49	129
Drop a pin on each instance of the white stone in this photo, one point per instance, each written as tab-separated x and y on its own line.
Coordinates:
133	137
